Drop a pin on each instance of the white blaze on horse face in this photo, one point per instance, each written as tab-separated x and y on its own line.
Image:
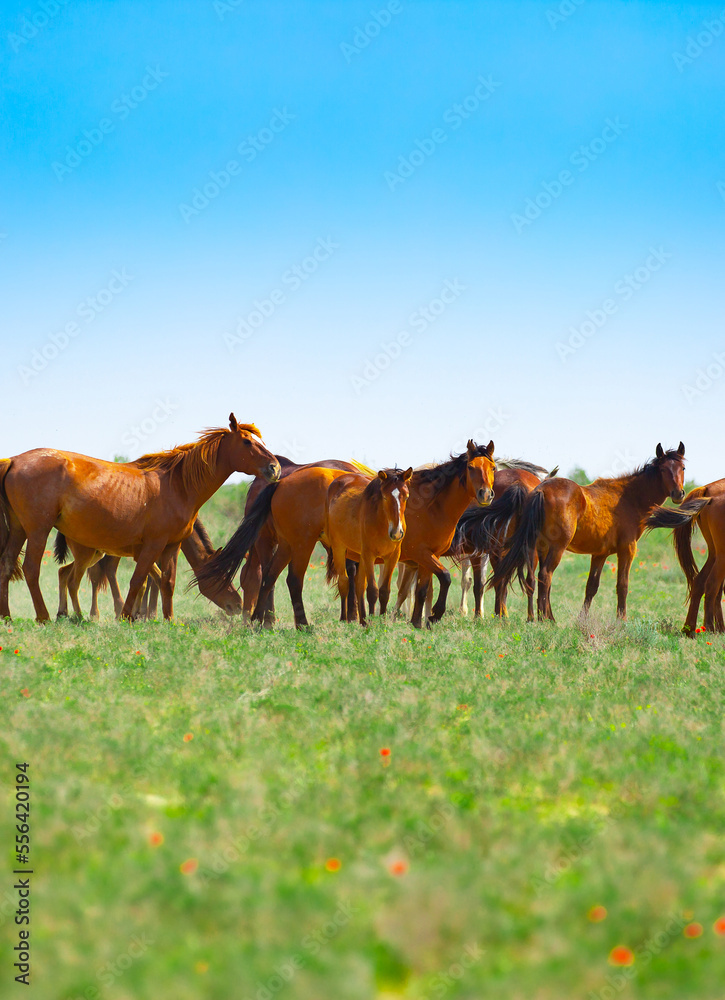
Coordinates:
397	526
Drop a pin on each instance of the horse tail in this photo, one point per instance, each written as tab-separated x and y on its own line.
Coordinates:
521	549
682	520
60	549
98	573
220	569
553	474
203	536
17	572
331	574
482	530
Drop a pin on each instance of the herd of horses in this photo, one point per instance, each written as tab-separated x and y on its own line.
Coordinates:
473	508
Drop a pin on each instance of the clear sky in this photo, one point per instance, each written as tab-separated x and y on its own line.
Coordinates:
374	229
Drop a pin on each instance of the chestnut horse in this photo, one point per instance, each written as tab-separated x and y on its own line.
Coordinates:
197	548
704	506
605	517
144	510
293	512
365	522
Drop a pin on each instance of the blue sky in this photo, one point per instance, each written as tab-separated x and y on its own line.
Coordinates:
353	188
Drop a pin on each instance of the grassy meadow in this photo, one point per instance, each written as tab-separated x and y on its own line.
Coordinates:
212	815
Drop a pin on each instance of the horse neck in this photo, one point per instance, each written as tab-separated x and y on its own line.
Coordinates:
644	491
215	475
452	499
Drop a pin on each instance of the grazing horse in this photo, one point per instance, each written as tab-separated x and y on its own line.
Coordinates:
197	548
263	549
605	517
144	510
365	522
292	511
704	506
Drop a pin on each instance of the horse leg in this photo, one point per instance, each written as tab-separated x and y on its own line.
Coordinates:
34	551
405	582
421	590
465	583
295	582
547	565
530	587
625	555
167	580
270	574
351	568
96	575
63	574
8	562
343	580
146	558
368	562
595	575
250	581
386	577
429	600
479	564
364	567
444	580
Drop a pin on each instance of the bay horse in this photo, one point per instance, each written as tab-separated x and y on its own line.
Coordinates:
365	522
263	549
103	574
481	531
293	512
606	517
144	510
705	507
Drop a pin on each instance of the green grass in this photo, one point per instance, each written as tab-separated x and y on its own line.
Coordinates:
534	772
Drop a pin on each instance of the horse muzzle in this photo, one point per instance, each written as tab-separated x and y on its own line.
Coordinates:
397	534
273	472
484	497
677	496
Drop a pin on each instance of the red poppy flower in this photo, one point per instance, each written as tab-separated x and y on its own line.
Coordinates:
621	955
385	752
333	864
189	866
398	868
693	930
719	925
156	839
597	914
188	737
25	693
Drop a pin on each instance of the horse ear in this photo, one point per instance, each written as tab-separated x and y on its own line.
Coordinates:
489	449
232	422
681	449
471	448
382	475
407	474
659	452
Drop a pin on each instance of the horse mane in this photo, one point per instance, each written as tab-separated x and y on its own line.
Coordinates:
441	476
193	460
648	470
522	465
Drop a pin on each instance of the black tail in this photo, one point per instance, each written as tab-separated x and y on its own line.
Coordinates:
483	530
521	549
682	519
203	536
220	569
61	548
331	575
17	572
